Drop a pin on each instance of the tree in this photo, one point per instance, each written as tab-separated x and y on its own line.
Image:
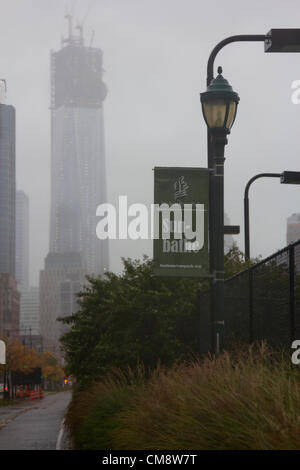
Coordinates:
234	261
131	318
135	317
19	358
51	369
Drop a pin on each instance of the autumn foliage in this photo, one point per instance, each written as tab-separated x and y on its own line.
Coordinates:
20	358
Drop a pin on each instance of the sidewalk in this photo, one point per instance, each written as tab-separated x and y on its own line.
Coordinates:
10	412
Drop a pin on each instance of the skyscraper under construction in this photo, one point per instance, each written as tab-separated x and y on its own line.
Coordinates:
78	181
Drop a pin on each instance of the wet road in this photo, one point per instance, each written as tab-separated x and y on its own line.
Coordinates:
35	424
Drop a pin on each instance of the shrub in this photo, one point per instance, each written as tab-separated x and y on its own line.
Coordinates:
242	400
92	414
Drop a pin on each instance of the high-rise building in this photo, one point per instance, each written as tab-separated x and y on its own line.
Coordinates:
7	188
30	312
293	228
78	181
228	239
293	235
9	306
22	240
60	281
30	318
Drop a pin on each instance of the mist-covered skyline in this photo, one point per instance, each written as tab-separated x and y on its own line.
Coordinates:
155	56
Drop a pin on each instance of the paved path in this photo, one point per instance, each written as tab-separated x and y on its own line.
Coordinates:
35	424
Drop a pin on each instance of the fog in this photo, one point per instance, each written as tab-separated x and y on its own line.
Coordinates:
155	56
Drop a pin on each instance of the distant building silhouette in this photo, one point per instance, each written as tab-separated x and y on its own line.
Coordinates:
78	180
293	229
7	189
228	239
293	235
9	307
30	312
22	240
60	281
9	295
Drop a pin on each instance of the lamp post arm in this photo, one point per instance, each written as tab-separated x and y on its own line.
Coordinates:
260	175
229	40
246	208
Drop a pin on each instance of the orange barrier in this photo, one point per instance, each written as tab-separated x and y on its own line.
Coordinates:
34	394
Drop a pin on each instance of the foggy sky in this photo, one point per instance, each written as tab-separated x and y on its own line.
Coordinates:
155	55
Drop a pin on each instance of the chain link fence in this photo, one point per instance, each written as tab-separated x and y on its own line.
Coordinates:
260	303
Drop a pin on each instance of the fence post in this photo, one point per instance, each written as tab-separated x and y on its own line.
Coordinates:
292	291
199	314
251	319
212	318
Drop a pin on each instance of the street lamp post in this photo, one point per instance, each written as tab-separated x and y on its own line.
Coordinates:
219	107
276	40
287	177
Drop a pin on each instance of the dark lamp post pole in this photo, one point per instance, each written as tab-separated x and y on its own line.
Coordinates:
219	107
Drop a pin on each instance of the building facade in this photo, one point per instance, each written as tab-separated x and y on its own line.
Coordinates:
30	311
30	318
293	229
229	241
60	281
9	307
22	240
7	188
293	235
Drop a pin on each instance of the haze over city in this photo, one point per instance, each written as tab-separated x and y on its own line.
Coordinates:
155	56
127	128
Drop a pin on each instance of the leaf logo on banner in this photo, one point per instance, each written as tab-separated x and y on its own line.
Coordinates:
181	188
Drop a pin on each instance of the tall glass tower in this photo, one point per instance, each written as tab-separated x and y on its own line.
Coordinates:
7	188
78	180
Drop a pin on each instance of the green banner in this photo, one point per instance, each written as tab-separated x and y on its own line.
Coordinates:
180	229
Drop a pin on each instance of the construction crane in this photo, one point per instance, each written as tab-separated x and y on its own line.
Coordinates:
70	21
